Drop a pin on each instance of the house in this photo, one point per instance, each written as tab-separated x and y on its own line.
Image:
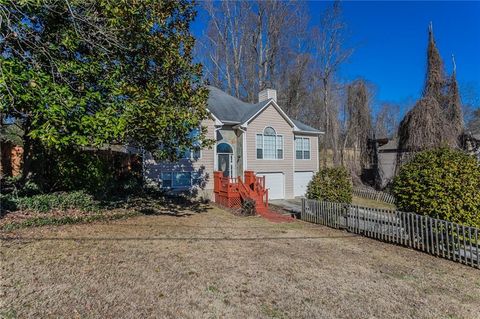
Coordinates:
471	144
387	154
257	137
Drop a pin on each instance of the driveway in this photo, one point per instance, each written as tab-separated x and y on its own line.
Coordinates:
292	205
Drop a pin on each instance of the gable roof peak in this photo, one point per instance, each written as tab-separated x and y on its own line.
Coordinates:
231	110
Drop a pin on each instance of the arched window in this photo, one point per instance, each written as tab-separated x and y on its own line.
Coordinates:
269	144
269	131
224	148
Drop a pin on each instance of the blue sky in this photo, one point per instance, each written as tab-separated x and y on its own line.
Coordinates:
391	38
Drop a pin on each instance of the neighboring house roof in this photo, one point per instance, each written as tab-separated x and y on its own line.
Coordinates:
231	110
391	145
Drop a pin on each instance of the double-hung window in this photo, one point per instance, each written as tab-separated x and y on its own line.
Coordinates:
302	148
176	179
195	152
269	145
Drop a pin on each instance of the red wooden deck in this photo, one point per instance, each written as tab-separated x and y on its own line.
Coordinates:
231	192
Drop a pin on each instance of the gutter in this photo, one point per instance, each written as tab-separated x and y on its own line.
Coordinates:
308	132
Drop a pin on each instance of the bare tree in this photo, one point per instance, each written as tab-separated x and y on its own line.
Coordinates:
386	120
247	42
358	126
330	53
225	43
471	103
296	91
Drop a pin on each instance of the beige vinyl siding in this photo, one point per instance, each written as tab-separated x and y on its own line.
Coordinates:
312	163
202	166
271	117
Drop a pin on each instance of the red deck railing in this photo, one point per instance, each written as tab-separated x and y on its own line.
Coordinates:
230	192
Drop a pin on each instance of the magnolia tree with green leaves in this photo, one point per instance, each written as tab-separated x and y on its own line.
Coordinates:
77	73
440	183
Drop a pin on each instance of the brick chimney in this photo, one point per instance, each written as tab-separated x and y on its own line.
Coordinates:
267	94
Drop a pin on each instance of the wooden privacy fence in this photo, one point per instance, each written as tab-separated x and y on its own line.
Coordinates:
373	194
434	236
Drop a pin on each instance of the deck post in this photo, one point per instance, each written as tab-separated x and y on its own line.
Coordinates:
249	178
216	181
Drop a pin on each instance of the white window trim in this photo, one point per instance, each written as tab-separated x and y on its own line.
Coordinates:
303	149
199	154
191	150
276	148
256	146
191	157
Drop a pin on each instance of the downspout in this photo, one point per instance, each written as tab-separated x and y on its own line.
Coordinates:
215	159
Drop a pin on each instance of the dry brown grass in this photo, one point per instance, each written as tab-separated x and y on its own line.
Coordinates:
216	265
371	203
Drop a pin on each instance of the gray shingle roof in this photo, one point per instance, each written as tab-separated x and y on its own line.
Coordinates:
304	127
391	145
230	109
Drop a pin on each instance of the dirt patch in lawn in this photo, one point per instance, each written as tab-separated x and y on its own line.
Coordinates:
216	265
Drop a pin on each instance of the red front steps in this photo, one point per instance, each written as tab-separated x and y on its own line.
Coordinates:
231	192
274	216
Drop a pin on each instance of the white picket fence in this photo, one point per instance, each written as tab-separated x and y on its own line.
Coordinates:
434	236
369	193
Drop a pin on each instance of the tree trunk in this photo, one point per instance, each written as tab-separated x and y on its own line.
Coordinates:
327	121
27	156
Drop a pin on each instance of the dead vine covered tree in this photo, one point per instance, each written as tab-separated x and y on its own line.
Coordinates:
436	119
358	128
453	110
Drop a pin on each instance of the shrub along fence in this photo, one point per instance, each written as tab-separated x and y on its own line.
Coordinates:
434	236
369	193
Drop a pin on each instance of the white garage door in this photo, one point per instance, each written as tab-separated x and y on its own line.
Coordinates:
301	181
275	183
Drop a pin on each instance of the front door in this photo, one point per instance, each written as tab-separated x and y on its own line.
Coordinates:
225	164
